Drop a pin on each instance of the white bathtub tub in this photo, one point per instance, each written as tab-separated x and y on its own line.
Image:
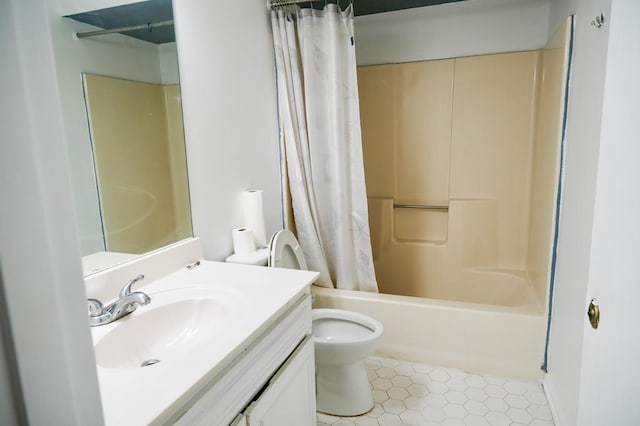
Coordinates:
503	339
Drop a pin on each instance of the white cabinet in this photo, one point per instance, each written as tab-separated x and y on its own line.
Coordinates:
271	381
241	420
289	399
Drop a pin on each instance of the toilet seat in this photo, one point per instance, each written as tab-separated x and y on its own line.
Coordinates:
285	252
337	325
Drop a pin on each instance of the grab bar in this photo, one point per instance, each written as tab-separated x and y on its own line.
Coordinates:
420	206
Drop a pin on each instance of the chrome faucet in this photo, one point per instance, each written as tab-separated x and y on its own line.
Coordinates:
127	302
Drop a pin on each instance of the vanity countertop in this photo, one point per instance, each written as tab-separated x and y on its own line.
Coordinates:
254	298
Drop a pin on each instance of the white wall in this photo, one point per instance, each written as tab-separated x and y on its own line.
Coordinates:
558	12
9	395
473	27
70	7
580	172
610	379
39	255
229	105
113	55
168	57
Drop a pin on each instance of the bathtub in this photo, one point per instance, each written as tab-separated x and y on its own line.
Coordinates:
505	338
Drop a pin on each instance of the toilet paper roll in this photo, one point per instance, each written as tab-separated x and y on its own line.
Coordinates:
243	241
254	216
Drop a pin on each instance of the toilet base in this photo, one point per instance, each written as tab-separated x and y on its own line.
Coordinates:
343	390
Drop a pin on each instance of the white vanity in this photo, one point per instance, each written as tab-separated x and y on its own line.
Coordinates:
225	344
220	343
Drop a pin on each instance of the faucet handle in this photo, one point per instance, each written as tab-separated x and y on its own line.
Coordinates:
126	290
95	307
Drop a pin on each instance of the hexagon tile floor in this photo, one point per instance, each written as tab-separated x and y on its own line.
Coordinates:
414	394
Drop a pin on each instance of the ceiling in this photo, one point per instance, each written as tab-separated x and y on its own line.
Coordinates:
369	7
134	14
160	10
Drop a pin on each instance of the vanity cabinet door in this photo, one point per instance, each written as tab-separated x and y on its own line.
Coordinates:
241	420
290	397
261	362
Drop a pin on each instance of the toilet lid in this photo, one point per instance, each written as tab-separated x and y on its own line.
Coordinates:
285	252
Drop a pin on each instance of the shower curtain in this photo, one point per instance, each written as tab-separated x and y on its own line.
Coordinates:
320	122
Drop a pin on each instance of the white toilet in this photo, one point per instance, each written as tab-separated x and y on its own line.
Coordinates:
342	339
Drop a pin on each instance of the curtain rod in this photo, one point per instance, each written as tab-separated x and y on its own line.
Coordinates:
277	3
147	26
271	4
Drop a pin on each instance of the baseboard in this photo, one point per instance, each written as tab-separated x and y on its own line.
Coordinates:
550	392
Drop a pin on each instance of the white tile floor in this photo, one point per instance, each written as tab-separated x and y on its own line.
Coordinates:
414	394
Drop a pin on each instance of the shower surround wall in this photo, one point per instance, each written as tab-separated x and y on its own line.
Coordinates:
498	174
481	136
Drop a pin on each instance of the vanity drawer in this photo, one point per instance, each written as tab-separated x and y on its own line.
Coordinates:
230	392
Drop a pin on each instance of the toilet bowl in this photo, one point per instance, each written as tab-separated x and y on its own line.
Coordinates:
342	339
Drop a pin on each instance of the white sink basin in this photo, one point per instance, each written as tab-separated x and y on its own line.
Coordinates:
174	324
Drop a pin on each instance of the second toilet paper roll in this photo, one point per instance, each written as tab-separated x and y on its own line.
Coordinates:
243	241
254	216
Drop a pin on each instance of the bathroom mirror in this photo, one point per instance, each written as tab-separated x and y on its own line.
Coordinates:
121	106
139	157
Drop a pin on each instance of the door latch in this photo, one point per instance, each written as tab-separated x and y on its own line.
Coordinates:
594	314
